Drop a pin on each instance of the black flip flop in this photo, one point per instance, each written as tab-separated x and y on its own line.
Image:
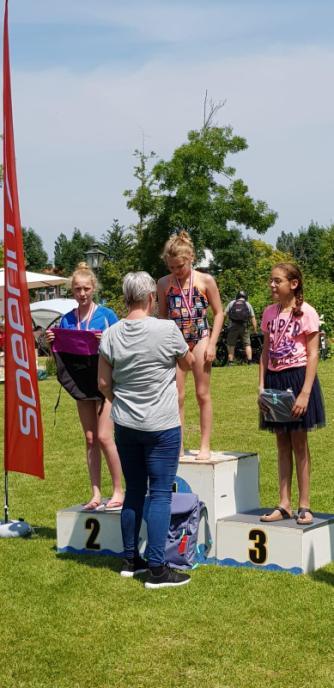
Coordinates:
301	515
284	513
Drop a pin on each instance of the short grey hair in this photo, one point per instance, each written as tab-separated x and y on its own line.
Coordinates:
137	286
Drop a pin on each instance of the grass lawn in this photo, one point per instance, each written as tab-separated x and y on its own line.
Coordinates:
73	622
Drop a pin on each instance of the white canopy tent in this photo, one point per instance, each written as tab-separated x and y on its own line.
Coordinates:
44	313
35	280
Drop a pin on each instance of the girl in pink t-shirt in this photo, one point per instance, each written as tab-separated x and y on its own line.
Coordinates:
289	361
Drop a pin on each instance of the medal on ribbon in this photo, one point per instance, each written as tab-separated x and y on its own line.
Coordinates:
188	302
276	353
88	319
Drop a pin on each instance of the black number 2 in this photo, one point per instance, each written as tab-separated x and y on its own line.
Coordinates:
93	525
258	553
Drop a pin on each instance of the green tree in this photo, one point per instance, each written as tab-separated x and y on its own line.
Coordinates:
35	256
287	242
308	249
195	190
119	244
320	294
248	270
144	200
328	257
264	257
69	252
232	264
120	247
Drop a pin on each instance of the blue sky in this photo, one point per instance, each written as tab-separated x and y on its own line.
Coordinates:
92	79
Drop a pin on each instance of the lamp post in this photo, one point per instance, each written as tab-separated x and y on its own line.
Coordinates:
95	258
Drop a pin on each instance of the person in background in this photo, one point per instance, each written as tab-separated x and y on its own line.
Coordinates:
94	416
137	374
240	313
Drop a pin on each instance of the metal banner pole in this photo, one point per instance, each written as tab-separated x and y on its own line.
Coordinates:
6	497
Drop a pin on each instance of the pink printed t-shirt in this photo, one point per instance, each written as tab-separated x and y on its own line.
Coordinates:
287	335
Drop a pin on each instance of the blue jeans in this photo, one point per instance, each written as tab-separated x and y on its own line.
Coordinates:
147	456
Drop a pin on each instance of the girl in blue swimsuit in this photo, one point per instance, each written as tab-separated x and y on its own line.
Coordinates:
95	420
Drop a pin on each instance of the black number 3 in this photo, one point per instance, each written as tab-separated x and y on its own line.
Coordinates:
93	525
258	553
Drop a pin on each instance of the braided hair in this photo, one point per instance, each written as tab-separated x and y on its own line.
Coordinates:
179	245
293	273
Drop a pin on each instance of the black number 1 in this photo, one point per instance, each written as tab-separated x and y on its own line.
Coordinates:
258	553
93	525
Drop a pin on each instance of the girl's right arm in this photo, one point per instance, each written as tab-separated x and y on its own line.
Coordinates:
162	301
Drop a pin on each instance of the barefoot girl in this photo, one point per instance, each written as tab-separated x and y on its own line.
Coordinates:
184	296
95	420
289	361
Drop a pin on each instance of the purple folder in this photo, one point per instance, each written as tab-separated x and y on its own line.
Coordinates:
76	356
80	342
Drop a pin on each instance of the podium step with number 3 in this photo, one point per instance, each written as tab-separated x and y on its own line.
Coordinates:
244	540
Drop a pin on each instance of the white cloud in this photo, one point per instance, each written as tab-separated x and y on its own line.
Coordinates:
75	134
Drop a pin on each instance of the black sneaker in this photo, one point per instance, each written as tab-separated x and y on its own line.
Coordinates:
131	567
165	577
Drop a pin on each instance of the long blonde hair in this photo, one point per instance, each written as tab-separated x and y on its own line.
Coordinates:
83	270
179	245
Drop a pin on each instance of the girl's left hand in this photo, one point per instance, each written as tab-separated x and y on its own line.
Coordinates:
210	353
98	335
300	405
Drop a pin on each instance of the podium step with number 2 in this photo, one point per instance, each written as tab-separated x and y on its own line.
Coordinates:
91	532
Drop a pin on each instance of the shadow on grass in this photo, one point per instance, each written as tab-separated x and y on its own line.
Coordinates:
95	562
45	533
322	576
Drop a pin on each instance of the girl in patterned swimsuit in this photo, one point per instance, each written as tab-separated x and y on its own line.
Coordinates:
184	296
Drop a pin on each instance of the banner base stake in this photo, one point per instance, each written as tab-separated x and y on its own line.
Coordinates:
13	529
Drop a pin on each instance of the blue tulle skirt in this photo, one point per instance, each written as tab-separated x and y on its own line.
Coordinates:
293	378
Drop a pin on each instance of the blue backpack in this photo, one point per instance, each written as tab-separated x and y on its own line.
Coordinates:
181	544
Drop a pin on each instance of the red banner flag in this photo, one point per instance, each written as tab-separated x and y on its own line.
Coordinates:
23	426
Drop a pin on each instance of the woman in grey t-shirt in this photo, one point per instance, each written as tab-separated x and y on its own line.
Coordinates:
137	373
